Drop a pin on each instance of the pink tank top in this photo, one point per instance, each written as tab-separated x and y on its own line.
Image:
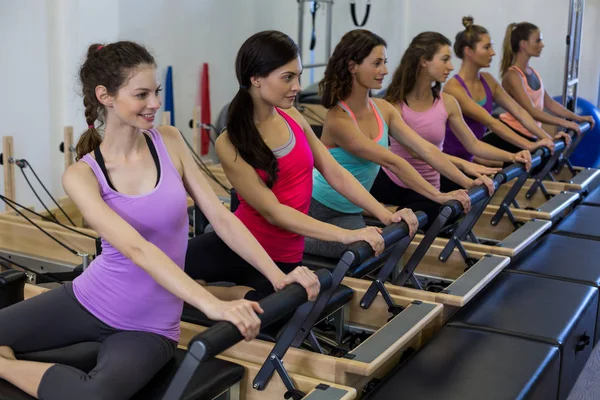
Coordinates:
113	288
293	188
537	98
431	126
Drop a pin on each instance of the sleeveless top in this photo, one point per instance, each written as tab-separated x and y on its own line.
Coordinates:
452	145
364	171
537	98
431	126
113	288
293	188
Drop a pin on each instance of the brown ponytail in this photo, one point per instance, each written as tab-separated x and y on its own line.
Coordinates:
508	55
512	40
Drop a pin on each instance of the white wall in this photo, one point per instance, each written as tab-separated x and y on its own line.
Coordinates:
43	43
187	34
196	38
25	84
589	68
495	16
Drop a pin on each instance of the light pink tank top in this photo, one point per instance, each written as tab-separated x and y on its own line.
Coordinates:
537	98
431	126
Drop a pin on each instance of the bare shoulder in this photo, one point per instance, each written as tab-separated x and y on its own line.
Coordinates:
452	84
336	114
223	146
448	99
383	105
170	135
511	76
489	78
449	102
295	115
77	174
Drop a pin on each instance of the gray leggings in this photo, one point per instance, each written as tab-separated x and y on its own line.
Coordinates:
323	213
126	360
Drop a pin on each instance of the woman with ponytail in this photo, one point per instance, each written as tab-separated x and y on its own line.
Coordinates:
523	41
268	152
356	132
476	91
130	186
415	93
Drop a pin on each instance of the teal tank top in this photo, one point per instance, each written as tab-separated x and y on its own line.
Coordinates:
364	171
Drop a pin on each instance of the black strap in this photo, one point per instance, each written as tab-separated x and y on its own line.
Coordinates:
100	161
353	12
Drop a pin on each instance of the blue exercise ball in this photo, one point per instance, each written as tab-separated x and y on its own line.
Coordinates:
587	153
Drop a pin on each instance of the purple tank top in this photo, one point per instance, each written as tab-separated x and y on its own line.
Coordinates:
452	145
113	288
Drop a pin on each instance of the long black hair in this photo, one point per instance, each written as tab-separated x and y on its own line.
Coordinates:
260	54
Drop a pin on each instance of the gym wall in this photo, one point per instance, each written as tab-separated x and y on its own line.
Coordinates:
42	43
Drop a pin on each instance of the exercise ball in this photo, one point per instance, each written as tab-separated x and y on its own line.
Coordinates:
587	154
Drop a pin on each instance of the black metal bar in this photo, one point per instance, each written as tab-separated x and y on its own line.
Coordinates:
465	227
224	334
583	127
509	198
517	170
409	268
284	342
283	374
560	150
384	273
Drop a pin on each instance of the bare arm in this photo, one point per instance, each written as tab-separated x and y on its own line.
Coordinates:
251	187
557	108
341	179
468	139
346	135
514	85
81	186
473	110
425	150
472	169
229	228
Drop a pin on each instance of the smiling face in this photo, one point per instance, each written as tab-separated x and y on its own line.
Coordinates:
372	70
534	45
483	53
137	101
440	65
281	86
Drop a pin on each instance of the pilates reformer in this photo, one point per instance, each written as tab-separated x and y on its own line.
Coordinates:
197	373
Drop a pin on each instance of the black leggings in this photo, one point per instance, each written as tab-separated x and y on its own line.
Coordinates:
210	259
387	192
446	185
496	141
126	360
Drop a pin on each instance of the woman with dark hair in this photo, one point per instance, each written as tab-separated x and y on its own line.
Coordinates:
130	185
415	92
356	133
521	42
476	91
268	152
